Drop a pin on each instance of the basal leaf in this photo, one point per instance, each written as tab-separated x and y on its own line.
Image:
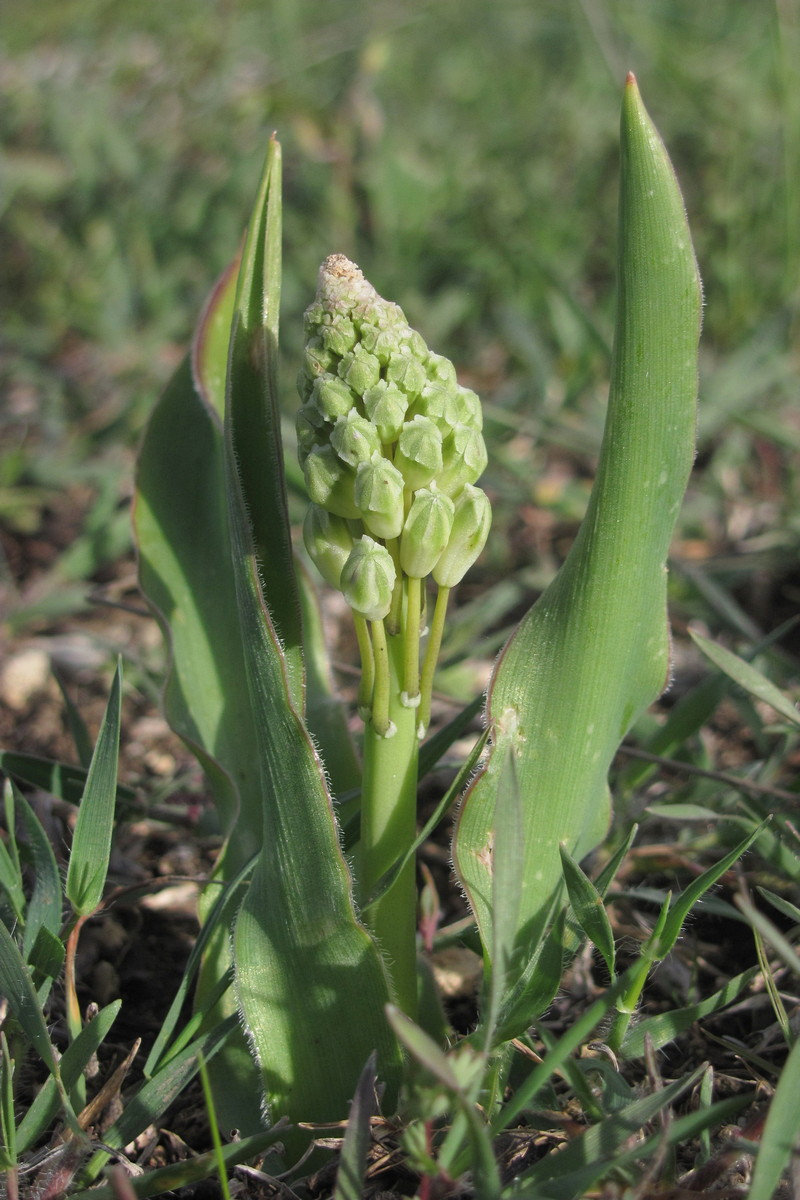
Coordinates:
310	980
593	651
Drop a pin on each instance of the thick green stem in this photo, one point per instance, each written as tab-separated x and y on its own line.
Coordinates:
388	827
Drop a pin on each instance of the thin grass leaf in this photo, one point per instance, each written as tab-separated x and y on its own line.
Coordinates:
8	1123
17	987
685	902
192	1170
435	748
665	1027
351	1173
76	724
150	1102
747	677
593	652
45	905
780	1137
576	1176
91	842
161	1050
10	870
771	934
59	779
428	1054
781	904
578	1033
46	1102
589	909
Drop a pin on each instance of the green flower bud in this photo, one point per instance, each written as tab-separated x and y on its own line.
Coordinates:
407	372
354	438
440	369
426	531
330	482
415	344
367	579
471	524
332	396
386	407
381	340
310	430
464	459
318	359
468	407
418	456
438	402
328	541
379	496
360	370
340	338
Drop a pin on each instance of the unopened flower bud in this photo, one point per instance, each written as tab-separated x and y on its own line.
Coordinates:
379	496
330	482
318	359
468	407
386	407
360	370
407	372
339	337
418	456
354	438
332	396
309	425
438	402
440	369
471	523
464	459
425	532
367	579
328	541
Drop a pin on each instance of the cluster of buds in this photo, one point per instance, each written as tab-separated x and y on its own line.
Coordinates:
391	448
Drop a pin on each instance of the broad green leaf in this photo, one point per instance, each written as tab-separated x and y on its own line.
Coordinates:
781	1133
91	841
593	651
311	983
747	677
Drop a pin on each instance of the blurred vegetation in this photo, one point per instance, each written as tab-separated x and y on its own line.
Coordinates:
463	152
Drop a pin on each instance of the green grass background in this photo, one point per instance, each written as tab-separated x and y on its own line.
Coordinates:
464	152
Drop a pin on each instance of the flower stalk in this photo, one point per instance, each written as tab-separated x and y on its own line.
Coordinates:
391	447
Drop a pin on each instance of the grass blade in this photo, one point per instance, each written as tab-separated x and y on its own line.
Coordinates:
353	1159
91	843
780	1137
